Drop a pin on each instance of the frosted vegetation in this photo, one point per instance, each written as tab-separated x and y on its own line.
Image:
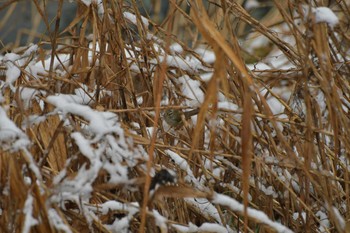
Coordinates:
84	145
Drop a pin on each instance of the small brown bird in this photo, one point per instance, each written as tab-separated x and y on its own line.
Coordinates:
173	117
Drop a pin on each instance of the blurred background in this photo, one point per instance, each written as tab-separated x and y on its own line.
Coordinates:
21	23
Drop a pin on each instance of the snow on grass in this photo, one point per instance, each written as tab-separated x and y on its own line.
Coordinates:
176	62
133	19
260	66
275	105
43	67
81	185
251	4
119	224
277	60
269	191
324	221
212	227
226	105
14	139
12	63
87	2
203	206
191	89
27	94
110	154
325	15
339	217
29	221
206	76
32	163
236	190
298	215
321	15
32	120
108	150
176	48
80	97
11	137
97	2
56	220
257	42
190	63
99	123
160	220
182	163
260	216
132	208
121	158
206	54
205	227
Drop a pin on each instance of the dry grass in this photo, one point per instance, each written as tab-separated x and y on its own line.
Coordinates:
281	164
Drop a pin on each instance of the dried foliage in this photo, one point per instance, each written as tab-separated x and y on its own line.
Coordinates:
83	143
